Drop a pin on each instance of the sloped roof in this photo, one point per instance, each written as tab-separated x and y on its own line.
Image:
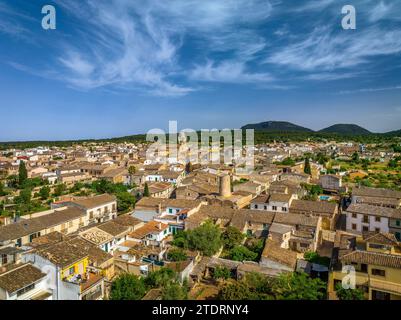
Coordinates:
20	277
368	209
372	258
28	226
62	253
376	192
96	201
284	256
296	219
314	206
380	238
113	228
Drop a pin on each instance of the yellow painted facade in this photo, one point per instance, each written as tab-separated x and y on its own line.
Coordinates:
388	282
79	267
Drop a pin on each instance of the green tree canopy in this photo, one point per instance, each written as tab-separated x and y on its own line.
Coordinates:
314	257
242	253
160	278
205	238
24	197
22	173
175	291
298	286
355	157
349	294
44	193
237	290
59	189
125	201
2	190
232	237
307	167
132	170
288	162
127	287
77	187
181	239
221	272
177	254
146	192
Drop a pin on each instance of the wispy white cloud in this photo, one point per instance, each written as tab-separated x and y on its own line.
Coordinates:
228	72
10	23
324	50
136	44
76	64
380	11
370	90
170	47
331	76
314	5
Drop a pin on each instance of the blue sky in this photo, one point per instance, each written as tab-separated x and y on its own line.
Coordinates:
120	67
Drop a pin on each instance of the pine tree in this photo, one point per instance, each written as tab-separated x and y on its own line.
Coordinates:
22	173
307	168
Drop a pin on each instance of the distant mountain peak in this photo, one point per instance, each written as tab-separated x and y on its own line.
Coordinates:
276	126
346	128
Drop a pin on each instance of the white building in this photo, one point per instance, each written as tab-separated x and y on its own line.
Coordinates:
363	218
24	282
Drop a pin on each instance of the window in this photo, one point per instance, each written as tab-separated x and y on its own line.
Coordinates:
90	214
354	215
19	242
265	207
26	289
256	206
377	230
377	219
376	246
353	226
398	236
304	245
265	226
170	210
71	271
365	219
365	229
398	223
274	208
364	268
378	272
283	208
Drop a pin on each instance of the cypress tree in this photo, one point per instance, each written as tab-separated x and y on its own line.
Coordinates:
22	173
307	168
146	192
